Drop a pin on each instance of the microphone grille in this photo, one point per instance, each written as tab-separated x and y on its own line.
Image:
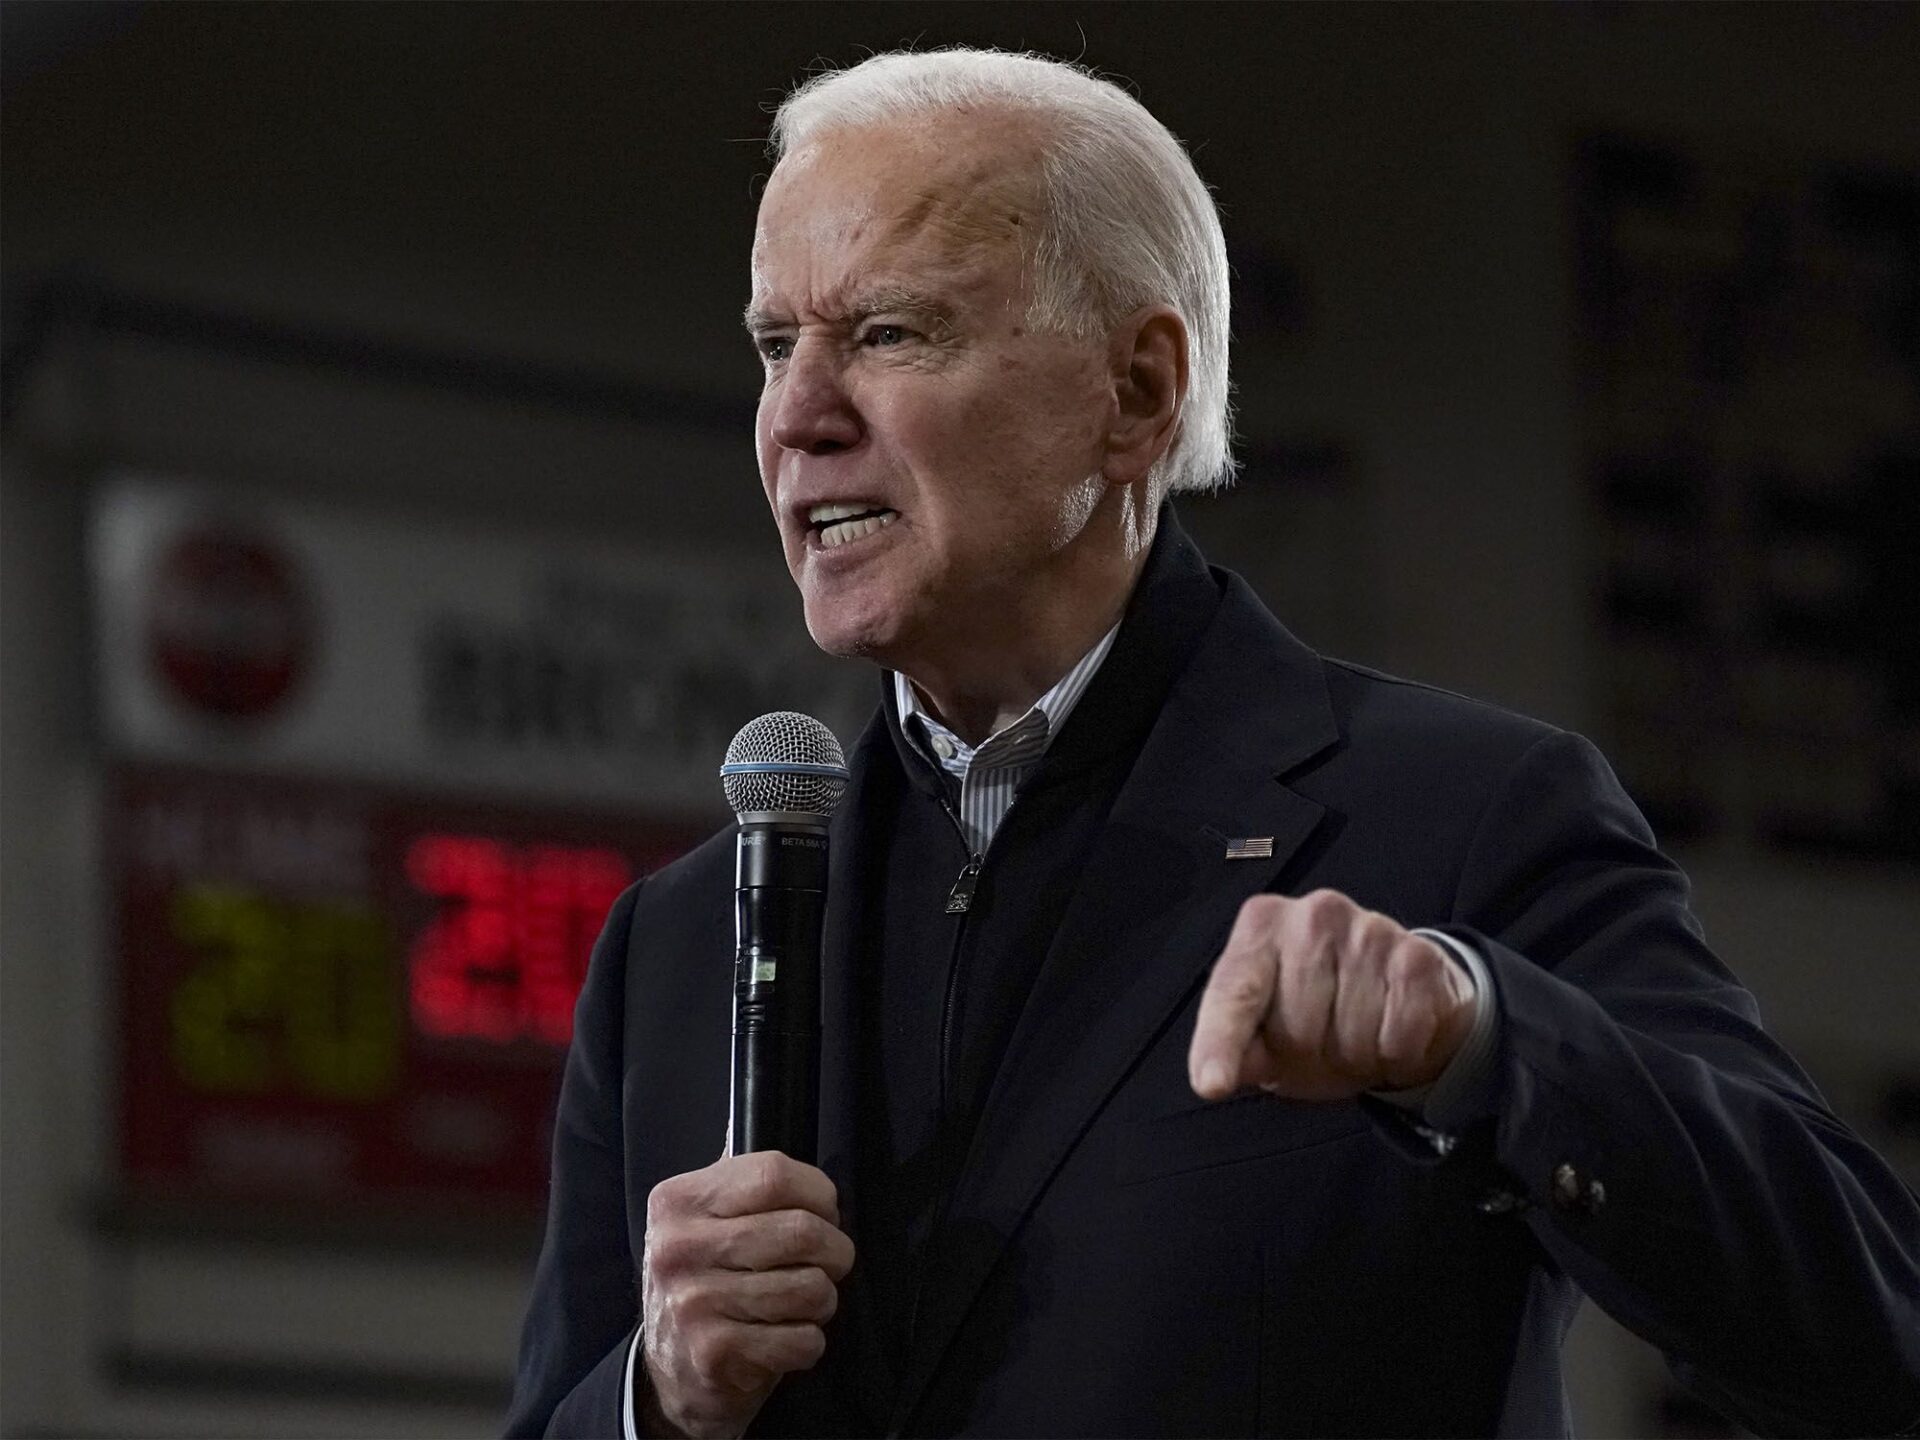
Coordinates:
784	761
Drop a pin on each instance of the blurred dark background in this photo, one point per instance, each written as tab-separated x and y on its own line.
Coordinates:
384	569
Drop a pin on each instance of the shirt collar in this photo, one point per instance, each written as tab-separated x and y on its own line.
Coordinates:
1052	709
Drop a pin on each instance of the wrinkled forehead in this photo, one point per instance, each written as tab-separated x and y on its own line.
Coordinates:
956	191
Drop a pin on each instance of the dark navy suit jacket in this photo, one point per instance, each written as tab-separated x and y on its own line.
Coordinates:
1120	1258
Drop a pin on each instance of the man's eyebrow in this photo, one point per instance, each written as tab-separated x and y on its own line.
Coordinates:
758	321
880	300
894	300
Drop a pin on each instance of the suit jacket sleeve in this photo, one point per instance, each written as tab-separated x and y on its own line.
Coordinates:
1742	1229
573	1347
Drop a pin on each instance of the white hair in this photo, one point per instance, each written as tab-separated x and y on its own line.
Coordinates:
1127	221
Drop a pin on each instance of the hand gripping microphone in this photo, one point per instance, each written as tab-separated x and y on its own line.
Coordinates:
783	776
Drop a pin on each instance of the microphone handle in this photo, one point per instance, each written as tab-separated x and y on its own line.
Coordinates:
779	907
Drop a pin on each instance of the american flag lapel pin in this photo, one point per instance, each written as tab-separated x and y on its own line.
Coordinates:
1253	847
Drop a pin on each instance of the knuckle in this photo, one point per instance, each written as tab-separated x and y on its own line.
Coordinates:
1422	963
839	1257
823	1296
1315	898
1262	909
809	1345
787	1233
1378	934
664	1199
669	1251
778	1171
684	1305
708	1356
1403	960
1323	906
1324	955
760	1179
733	1244
808	1232
1241	986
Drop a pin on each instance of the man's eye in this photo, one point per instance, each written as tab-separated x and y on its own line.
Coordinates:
882	335
775	347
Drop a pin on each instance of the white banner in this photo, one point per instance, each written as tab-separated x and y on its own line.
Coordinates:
267	635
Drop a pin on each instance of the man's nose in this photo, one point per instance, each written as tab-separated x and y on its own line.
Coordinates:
813	411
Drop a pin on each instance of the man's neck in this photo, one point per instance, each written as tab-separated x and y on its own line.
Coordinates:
1001	676
986	670
977	714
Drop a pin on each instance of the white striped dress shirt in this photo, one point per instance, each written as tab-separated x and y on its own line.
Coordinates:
986	776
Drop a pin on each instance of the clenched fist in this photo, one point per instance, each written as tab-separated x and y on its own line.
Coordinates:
1318	999
741	1273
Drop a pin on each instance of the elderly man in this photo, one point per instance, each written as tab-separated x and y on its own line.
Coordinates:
1151	1103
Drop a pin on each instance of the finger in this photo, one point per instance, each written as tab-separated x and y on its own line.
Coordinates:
725	1359
794	1294
1455	1004
766	1181
1310	948
1259	918
1232	1009
1360	1000
773	1350
785	1237
1410	1020
677	1195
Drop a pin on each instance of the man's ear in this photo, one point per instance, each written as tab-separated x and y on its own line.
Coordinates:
1147	365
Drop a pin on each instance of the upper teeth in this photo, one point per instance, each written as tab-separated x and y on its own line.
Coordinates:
840	531
827	514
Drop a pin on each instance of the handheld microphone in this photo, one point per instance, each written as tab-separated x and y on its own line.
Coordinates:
783	776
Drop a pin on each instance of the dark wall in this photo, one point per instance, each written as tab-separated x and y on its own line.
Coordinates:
482	265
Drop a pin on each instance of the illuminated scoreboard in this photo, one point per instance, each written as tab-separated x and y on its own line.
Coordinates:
328	992
371	783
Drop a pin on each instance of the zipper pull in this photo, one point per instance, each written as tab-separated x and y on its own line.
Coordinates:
961	896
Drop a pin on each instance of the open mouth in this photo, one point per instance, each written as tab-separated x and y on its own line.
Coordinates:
838	524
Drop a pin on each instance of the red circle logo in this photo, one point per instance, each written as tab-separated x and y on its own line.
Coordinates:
231	628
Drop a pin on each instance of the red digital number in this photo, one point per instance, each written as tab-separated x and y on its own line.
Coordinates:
504	959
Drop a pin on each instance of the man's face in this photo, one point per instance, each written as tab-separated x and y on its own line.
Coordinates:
930	459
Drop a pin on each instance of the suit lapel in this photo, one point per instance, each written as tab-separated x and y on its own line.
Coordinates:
840	960
1155	902
849	882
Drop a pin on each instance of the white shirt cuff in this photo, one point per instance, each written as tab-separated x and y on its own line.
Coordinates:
627	1425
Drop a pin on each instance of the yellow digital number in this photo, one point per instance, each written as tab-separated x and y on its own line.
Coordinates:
343	1009
297	995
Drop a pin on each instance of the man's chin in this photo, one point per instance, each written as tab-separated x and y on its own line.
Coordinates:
847	639
857	648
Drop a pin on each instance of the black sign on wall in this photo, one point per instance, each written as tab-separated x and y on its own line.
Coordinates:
1751	363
